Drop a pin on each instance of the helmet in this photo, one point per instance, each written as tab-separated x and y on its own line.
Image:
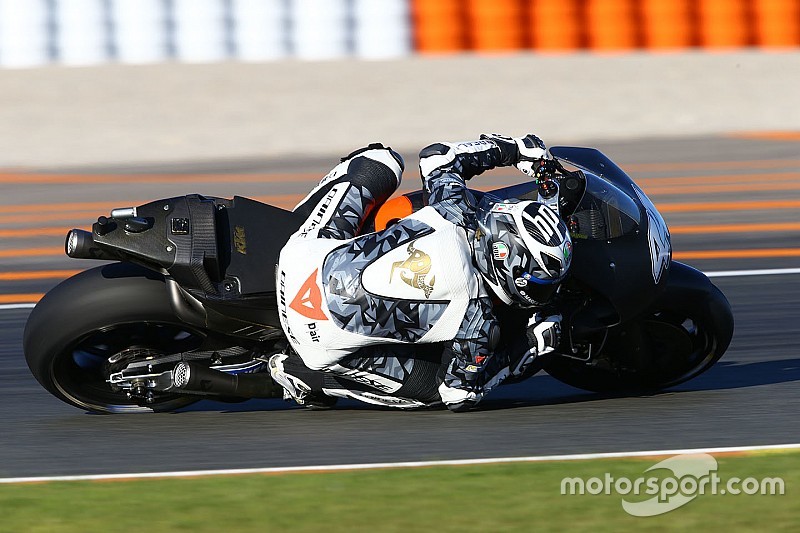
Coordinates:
522	249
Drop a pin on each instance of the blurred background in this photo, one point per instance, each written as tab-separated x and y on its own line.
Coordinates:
98	82
89	32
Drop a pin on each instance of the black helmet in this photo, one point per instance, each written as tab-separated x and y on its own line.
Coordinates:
522	249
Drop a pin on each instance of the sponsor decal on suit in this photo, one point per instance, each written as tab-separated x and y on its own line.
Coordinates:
282	306
312	331
308	300
414	270
499	250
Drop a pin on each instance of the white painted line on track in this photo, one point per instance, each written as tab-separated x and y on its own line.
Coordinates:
762	272
414	464
17	306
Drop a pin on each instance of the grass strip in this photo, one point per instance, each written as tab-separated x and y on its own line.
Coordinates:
504	497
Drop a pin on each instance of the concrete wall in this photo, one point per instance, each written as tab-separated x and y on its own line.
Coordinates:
56	117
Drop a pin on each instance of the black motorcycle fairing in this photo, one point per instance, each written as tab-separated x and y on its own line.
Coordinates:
178	235
614	258
218	256
603	212
252	235
685	284
213	247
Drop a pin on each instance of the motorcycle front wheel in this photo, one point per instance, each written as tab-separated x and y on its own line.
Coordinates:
682	335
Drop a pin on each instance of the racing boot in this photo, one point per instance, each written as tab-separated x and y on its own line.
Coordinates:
286	370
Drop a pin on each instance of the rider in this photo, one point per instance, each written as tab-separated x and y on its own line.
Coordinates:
364	309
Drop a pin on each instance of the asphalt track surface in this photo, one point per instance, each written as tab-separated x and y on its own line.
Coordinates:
732	203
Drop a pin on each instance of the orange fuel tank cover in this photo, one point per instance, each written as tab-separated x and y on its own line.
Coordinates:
392	211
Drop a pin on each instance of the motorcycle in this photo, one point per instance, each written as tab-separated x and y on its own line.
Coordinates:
187	308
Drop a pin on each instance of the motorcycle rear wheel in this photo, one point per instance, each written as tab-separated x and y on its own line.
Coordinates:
86	319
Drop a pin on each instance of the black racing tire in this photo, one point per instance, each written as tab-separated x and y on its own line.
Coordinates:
682	335
87	318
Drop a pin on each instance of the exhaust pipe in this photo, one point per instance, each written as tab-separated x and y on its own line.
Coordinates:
199	379
80	245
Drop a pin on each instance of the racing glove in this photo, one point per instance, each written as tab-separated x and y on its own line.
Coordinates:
527	153
544	334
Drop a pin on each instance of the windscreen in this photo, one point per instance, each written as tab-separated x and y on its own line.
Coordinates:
604	211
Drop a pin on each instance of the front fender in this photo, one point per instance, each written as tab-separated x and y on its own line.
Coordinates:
689	287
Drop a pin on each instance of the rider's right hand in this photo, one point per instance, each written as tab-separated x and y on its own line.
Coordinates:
533	155
543	170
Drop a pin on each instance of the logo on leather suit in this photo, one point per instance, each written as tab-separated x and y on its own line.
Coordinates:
308	300
414	270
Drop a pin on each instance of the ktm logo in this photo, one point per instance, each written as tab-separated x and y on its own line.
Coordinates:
308	300
239	240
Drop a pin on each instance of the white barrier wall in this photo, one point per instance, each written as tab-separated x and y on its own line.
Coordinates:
86	32
319	29
139	30
382	28
260	29
81	32
24	33
199	30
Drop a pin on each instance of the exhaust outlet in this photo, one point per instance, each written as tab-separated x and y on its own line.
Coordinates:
199	379
79	244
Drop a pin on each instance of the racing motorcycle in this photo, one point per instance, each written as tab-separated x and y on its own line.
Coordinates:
186	309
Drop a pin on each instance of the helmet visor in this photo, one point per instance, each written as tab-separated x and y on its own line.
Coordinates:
532	289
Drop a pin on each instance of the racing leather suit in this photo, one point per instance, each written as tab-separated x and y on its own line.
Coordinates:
372	311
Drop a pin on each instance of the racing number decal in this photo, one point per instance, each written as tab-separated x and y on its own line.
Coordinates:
547	222
308	300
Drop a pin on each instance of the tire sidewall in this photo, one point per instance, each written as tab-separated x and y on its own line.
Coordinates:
93	300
